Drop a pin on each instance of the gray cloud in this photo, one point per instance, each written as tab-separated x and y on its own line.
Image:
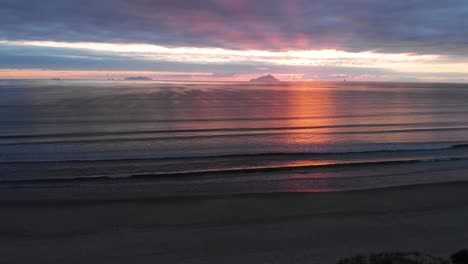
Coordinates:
419	26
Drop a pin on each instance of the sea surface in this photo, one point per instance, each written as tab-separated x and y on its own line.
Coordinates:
214	137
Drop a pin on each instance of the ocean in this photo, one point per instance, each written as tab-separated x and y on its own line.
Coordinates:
201	138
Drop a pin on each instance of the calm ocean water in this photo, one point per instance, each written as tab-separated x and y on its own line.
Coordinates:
314	136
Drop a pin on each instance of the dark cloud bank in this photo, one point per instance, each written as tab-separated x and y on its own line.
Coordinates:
420	26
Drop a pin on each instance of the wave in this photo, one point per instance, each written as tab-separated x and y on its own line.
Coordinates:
228	172
116	133
230	135
402	149
202	120
402	130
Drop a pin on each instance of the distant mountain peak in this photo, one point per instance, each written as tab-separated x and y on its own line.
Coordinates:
265	78
138	78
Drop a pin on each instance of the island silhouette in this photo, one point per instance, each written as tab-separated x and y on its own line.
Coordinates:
265	78
138	78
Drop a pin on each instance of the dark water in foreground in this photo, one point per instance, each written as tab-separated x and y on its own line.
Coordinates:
292	136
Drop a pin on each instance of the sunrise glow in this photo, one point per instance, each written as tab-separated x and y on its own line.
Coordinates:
223	41
399	62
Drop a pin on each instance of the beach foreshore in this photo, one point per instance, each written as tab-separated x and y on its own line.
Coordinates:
43	225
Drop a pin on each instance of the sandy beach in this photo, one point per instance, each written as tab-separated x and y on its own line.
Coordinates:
261	228
233	132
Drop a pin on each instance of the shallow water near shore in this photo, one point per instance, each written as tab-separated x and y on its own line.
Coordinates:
314	136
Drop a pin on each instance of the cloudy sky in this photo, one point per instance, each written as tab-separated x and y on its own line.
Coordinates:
397	40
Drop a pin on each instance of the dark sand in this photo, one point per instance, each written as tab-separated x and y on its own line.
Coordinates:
36	227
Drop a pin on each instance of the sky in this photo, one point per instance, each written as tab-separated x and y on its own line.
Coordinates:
235	40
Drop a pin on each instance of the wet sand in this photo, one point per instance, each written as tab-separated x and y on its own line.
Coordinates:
43	225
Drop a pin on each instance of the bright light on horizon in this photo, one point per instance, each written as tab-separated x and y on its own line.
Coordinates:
219	55
396	62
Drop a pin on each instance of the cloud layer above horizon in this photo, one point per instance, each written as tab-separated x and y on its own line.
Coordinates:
400	40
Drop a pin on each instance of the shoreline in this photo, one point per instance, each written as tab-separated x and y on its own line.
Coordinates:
249	228
4	201
284	183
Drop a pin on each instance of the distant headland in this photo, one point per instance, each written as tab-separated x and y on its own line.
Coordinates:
265	78
138	78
